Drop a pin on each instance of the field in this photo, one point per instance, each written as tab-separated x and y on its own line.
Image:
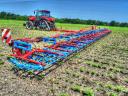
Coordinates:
99	70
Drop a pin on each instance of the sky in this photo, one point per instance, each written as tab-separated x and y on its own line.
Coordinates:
104	10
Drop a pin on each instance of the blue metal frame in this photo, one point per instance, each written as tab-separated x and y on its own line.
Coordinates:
22	45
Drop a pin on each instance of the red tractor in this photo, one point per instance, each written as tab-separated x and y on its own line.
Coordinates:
42	20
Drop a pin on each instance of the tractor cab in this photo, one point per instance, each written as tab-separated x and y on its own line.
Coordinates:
41	13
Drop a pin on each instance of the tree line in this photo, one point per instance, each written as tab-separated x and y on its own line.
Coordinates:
12	16
92	22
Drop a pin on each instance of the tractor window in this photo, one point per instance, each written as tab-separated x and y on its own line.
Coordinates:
43	14
46	14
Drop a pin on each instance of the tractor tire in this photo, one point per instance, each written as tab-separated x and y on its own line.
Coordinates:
29	25
44	25
52	26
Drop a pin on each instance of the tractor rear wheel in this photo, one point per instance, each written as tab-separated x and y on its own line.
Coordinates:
44	25
52	26
29	25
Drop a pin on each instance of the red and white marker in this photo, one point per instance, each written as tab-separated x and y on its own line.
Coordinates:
94	27
6	36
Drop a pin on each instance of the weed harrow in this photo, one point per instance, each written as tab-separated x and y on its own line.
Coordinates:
26	58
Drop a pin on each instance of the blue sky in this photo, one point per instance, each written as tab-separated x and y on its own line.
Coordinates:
105	10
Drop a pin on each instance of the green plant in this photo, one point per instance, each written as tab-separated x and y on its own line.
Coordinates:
87	71
63	94
40	76
109	86
110	75
76	75
116	70
123	71
1	62
104	67
97	74
87	92
126	80
93	64
82	69
68	71
1	54
31	72
112	94
119	88
93	72
76	88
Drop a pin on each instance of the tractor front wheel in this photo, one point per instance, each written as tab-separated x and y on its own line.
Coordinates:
29	25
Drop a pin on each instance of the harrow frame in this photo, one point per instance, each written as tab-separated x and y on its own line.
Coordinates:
62	47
